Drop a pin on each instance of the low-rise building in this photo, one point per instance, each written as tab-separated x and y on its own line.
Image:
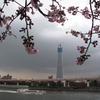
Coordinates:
7	77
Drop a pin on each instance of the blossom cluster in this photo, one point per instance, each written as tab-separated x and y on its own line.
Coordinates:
29	49
97	4
4	20
81	49
29	45
36	4
56	15
96	28
95	43
82	59
77	33
86	13
73	10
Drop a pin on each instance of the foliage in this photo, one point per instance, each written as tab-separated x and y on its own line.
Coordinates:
55	14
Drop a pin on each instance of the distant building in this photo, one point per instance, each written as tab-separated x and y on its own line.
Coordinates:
7	77
50	77
59	63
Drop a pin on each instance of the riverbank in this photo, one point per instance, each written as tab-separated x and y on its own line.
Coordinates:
66	89
50	88
13	87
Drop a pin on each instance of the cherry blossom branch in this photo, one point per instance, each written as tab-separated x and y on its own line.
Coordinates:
28	41
18	3
93	14
90	39
26	18
82	58
56	13
1	10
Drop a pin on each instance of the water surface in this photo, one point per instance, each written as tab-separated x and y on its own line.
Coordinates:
50	95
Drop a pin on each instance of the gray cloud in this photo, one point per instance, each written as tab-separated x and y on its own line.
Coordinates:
14	59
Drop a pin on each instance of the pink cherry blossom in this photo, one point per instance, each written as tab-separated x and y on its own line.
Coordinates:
98	35
8	27
95	43
86	40
86	13
1	24
75	33
36	4
10	33
81	49
96	28
82	59
30	50
73	10
28	9
56	15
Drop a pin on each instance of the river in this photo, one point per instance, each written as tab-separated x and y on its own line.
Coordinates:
50	95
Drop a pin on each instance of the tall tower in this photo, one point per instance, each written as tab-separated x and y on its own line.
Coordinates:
59	63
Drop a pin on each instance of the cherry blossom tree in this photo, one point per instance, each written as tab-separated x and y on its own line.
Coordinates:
55	13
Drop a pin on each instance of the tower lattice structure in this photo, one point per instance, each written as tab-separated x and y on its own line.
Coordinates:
59	62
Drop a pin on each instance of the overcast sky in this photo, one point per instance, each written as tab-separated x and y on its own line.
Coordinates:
15	60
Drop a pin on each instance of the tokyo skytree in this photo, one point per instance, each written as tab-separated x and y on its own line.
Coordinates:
59	63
